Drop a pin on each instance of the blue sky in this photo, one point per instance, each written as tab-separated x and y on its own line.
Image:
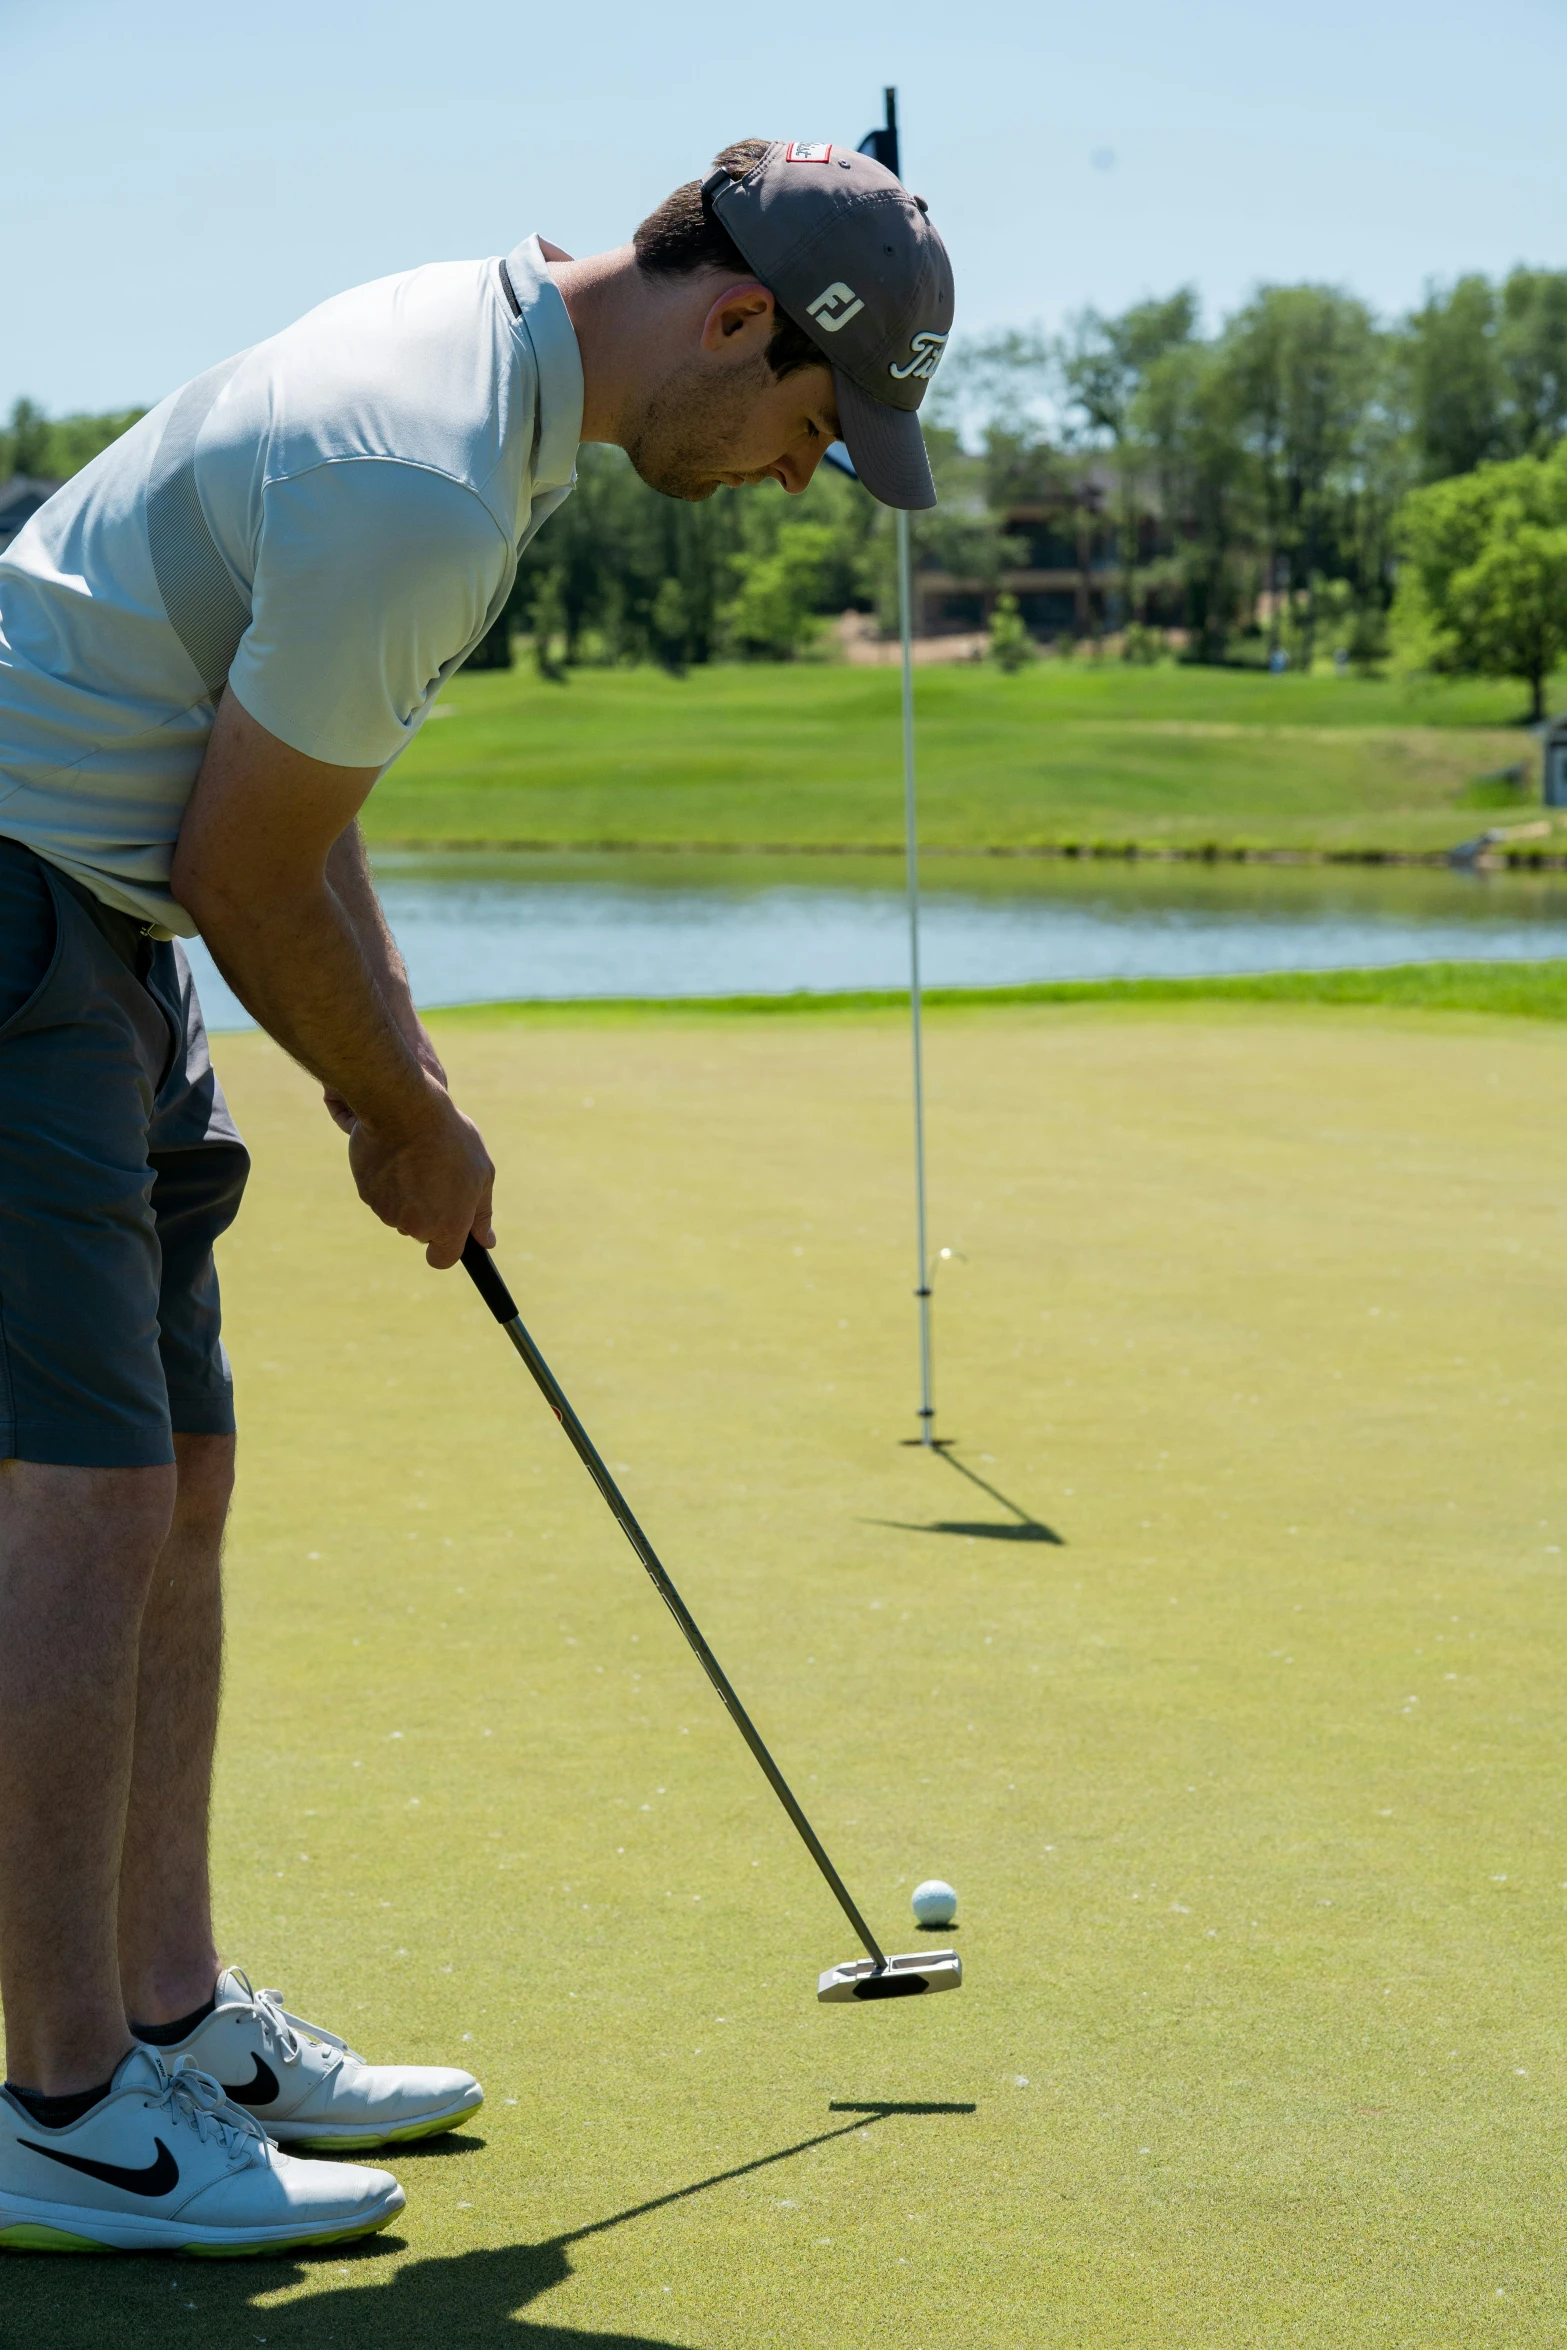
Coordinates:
181	180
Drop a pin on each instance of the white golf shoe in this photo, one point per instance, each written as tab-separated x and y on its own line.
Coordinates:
307	2087
166	2164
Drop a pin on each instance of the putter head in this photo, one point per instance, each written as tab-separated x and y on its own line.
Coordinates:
900	1978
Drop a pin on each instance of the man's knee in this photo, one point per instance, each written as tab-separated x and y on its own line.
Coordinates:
206	1484
109	1524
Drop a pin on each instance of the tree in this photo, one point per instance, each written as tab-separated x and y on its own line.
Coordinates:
1006	383
1485	370
1105	363
1011	646
1003	390
772	616
1187	416
547	616
1486	576
670	626
1305	362
1453	380
26	441
1532	343
1509	607
963	534
638	575
48	449
610	549
1022	467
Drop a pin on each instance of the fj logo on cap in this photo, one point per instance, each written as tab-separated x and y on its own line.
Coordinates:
798	151
927	351
836	304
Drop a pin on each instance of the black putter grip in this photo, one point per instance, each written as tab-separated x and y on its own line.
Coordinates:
479	1265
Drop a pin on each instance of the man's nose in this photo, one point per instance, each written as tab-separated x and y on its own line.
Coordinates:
798	466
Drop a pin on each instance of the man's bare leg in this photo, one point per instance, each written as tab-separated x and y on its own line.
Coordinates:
168	1961
78	1548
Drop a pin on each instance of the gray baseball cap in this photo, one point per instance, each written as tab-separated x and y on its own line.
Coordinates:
852	258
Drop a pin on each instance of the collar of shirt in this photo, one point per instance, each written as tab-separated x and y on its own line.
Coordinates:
559	363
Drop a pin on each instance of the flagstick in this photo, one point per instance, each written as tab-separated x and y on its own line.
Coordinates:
927	1411
883	143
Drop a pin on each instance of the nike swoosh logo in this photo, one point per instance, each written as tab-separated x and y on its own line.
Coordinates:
159	2178
259	2091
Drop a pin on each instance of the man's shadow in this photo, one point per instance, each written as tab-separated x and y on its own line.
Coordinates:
466	2299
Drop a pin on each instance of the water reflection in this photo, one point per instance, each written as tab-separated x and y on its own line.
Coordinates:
476	928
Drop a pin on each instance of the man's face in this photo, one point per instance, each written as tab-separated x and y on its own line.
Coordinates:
720	417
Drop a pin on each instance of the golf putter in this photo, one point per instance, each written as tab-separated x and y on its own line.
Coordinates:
876	1976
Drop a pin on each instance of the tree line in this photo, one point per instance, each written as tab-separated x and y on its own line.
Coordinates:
1303	478
1283	480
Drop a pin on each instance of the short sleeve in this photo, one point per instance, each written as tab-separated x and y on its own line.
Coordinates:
370	576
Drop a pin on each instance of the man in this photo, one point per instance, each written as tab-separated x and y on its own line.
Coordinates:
212	642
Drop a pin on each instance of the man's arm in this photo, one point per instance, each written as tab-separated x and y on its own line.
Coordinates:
260	865
348	873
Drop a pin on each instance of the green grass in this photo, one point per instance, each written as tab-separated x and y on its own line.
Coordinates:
1249	1779
1530	991
1061	753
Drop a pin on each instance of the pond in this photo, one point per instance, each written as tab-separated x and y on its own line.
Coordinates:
485	928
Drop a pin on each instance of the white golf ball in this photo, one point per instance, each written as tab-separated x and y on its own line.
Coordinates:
935	1903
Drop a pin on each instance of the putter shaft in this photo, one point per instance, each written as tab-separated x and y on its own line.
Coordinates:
481	1267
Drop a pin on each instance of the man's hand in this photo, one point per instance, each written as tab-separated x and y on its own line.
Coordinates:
432	1181
270	864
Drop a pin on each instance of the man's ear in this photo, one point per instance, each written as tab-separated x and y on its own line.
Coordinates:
744	311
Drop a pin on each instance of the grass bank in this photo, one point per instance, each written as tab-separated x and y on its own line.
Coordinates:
1219	1666
1531	991
1059	755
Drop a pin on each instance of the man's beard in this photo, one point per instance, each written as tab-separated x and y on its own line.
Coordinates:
691	423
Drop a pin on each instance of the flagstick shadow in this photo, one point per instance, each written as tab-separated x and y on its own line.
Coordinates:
1024	1527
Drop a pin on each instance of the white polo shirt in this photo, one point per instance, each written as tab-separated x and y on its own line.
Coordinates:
329	523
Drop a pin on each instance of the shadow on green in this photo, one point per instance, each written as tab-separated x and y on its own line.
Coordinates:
1023	1526
463	2298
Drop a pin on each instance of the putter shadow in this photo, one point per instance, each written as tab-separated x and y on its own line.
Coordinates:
475	2300
882	2106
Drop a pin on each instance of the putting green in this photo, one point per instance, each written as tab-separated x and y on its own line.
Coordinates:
1247	1771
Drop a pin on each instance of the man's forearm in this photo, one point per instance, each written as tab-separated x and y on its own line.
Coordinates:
270	865
299	965
348	876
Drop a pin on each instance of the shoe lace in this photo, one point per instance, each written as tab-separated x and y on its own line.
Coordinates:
197	2100
282	2031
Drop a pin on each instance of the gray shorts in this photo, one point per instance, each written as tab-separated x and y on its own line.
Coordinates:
119	1168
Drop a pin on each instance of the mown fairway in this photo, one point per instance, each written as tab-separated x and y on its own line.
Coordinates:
1249	1779
1063	752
